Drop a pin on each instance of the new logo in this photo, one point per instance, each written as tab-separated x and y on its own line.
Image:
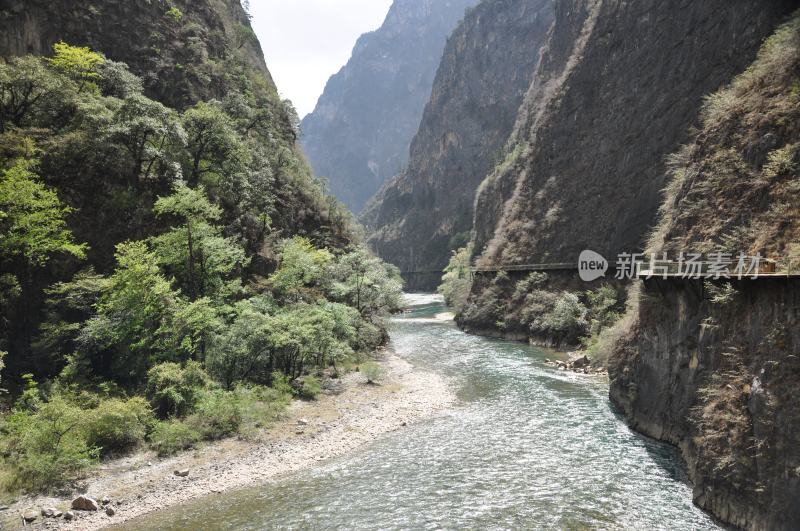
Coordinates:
591	266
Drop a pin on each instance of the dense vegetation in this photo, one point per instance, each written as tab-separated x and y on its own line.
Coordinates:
165	275
534	306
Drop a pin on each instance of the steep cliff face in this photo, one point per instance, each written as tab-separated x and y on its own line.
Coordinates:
185	51
487	66
713	366
360	130
614	96
617	91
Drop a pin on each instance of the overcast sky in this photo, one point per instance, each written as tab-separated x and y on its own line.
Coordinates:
307	41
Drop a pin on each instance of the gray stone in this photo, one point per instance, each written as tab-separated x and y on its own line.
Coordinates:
110	511
579	361
51	512
182	473
69	515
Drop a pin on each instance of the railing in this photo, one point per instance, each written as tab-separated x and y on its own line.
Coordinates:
525	267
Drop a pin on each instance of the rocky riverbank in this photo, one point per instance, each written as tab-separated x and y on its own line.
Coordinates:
348	415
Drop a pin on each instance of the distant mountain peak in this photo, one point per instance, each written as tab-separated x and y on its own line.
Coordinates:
359	134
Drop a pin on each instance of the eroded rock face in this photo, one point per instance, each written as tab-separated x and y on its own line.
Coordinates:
360	130
724	390
487	66
713	366
618	88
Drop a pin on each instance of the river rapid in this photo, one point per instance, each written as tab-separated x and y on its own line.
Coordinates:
527	447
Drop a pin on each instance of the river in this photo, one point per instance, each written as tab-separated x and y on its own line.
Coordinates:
528	447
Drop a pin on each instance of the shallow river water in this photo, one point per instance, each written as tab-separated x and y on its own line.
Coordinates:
527	447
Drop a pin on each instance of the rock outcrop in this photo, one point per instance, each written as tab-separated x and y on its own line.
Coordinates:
360	130
487	66
618	88
184	50
713	366
617	91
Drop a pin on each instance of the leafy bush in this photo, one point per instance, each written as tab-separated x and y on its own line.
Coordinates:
218	414
118	425
567	321
174	13
261	405
174	390
372	372
46	448
172	436
310	389
457	280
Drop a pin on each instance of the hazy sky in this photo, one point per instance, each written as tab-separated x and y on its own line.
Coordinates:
307	41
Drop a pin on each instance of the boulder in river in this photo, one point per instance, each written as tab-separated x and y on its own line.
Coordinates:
84	503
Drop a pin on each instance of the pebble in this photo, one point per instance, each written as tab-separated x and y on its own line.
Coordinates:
110	511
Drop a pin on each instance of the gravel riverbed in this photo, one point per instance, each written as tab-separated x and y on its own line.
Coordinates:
338	422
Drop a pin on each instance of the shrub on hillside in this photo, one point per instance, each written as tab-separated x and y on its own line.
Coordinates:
118	425
310	388
172	436
45	448
218	414
173	390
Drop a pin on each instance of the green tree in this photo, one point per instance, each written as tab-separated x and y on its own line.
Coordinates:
212	143
134	315
603	309
367	283
457	279
116	79
67	308
201	259
243	351
32	219
150	133
173	390
78	63
302	268
26	88
33	229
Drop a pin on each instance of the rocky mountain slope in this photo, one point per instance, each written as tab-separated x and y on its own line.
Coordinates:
360	130
713	367
587	163
488	64
184	51
617	91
